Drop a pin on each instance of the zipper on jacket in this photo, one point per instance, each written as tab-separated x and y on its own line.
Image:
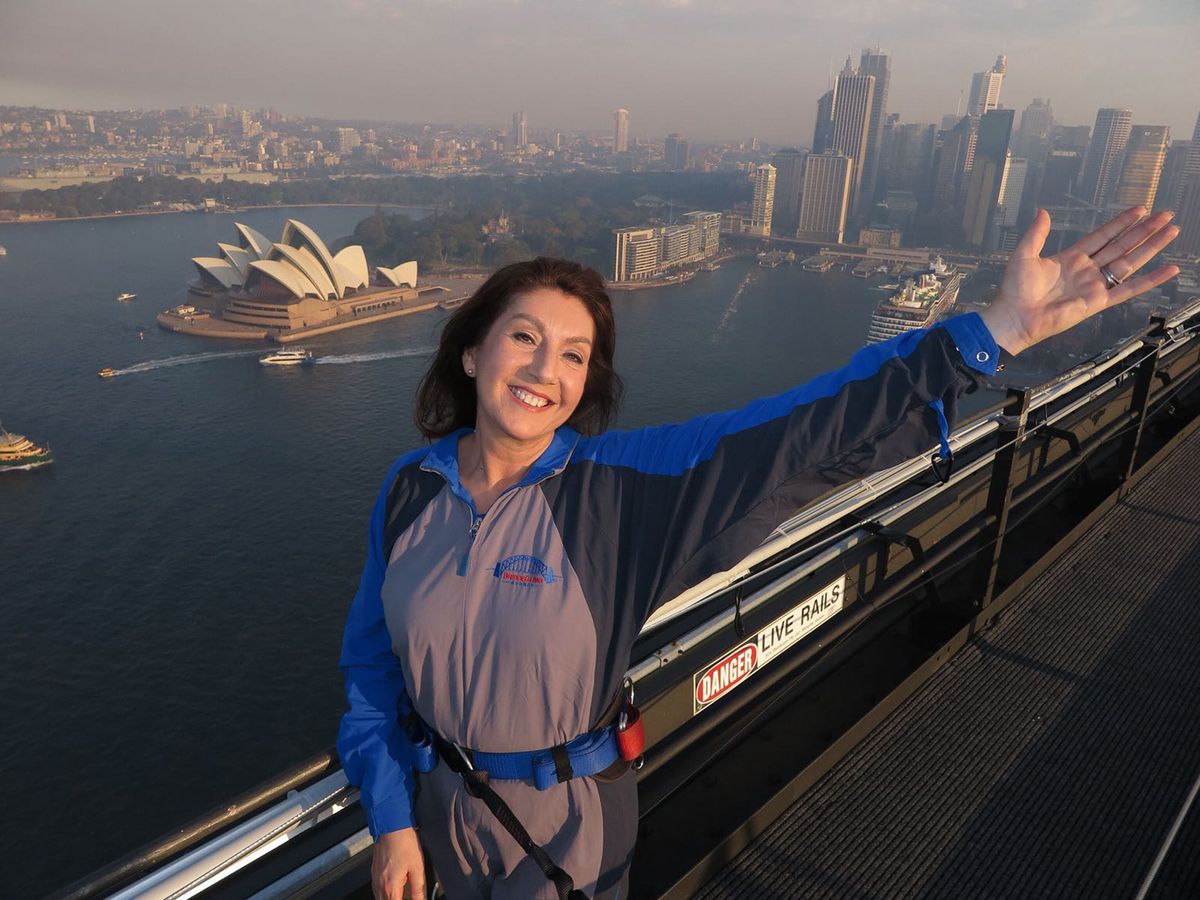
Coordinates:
466	559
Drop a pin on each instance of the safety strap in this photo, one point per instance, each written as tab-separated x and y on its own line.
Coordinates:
476	783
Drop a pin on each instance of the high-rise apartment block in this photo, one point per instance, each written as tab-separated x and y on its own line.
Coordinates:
763	208
853	96
983	188
1145	153
1033	135
1104	155
518	136
826	197
621	131
789	182
677	152
638	252
985	88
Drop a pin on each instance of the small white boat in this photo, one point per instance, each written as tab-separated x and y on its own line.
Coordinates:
126	296
298	357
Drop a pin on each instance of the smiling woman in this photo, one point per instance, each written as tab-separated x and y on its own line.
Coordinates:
512	563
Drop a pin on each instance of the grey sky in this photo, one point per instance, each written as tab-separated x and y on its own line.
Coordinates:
713	69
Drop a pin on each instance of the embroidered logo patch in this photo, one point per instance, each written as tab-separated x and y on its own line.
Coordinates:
524	570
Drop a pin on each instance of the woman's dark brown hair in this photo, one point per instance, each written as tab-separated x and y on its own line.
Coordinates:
446	397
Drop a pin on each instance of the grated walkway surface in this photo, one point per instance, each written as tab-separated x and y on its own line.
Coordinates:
1049	758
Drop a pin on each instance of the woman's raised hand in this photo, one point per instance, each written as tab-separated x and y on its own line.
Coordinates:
1040	297
398	863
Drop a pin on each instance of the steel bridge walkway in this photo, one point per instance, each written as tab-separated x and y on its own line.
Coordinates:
1053	756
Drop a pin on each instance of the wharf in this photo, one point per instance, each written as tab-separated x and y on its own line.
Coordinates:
1053	756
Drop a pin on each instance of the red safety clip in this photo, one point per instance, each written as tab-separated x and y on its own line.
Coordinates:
631	734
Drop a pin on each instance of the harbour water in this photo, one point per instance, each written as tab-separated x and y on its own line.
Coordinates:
174	586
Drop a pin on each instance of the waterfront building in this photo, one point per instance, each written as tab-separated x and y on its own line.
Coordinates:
823	131
708	229
1104	155
876	63
258	288
638	251
621	131
983	188
789	181
1145	153
985	88
647	252
762	211
676	152
853	96
519	134
826	197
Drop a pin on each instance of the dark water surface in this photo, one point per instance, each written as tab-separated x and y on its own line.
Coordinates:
173	588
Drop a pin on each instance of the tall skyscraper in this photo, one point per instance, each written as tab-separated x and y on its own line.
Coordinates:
789	181
949	167
1033	135
1145	153
1191	167
1104	155
876	63
983	188
826	197
823	131
621	131
909	158
985	88
853	95
762	212
1188	220
676	152
1058	177
519	136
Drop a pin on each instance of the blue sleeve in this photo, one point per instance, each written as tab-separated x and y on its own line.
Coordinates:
696	497
371	744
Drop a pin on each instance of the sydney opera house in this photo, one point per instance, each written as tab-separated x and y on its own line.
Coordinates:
295	286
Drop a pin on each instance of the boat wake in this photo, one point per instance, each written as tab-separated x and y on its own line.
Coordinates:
152	365
731	309
27	468
347	358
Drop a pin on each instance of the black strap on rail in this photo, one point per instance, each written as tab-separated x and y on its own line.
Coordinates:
476	783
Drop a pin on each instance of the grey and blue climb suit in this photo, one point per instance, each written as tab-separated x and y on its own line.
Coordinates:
512	631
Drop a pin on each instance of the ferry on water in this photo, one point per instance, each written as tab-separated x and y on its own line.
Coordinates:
126	296
106	373
298	357
918	304
19	452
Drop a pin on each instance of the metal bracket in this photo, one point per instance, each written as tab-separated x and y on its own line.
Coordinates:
914	546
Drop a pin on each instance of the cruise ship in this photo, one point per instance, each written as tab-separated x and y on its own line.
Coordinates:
918	303
19	452
299	357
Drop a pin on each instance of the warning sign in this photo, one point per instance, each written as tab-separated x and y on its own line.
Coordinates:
718	679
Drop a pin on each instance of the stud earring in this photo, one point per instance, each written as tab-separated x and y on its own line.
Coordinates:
470	373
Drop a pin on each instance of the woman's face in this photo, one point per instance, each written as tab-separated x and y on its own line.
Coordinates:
531	368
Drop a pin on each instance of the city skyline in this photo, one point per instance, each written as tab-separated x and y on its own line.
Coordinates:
479	75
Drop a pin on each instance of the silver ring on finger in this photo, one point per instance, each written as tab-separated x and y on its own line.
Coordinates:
1110	279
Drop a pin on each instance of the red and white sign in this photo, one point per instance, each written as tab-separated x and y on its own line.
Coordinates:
722	676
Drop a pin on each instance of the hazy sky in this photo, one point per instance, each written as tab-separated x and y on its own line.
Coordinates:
712	69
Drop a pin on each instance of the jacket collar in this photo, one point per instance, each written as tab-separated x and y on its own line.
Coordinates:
442	458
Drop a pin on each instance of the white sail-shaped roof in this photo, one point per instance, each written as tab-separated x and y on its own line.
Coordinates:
287	275
221	269
254	243
403	274
238	257
354	266
303	260
297	234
